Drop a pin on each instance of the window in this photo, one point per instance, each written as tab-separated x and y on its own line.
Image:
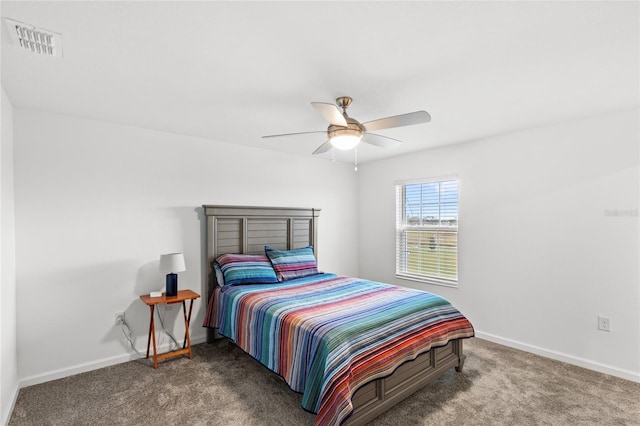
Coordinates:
427	232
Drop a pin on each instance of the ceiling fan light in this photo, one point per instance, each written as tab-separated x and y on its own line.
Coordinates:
345	139
345	142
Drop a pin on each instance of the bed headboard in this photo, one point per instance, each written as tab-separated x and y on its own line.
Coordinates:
246	230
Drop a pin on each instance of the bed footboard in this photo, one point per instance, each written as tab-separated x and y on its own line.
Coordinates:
377	396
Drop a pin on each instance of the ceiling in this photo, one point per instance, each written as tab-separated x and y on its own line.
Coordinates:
234	71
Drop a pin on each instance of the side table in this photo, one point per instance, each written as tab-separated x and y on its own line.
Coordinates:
182	296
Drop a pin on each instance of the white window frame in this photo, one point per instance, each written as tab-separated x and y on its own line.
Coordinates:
403	265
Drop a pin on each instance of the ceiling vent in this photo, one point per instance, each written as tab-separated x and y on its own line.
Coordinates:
34	39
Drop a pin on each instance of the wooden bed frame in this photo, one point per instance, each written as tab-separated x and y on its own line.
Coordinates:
235	229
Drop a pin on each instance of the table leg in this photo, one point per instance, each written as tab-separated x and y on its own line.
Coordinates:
186	334
189	334
153	336
150	329
186	326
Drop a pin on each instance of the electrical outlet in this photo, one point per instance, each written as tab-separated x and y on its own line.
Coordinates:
604	323
119	317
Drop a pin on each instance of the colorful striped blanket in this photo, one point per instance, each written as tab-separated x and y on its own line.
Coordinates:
327	335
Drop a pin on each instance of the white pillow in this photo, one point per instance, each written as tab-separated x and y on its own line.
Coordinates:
219	274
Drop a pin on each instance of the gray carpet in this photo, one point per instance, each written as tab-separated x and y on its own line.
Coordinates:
224	386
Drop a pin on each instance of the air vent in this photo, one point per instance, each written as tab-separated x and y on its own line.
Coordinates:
34	39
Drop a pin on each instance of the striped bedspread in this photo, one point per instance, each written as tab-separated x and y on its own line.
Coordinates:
327	335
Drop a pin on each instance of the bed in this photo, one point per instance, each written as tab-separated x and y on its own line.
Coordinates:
345	376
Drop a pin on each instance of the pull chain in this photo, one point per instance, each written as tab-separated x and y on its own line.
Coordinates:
355	168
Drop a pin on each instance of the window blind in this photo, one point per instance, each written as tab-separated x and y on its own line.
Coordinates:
427	231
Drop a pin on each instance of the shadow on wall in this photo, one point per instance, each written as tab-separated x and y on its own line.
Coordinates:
184	238
148	279
203	254
192	245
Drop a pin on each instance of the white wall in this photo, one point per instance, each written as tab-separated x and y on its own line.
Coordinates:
96	205
541	253
8	340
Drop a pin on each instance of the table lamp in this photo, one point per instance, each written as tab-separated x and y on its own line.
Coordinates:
170	264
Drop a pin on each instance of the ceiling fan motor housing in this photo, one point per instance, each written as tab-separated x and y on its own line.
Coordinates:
354	128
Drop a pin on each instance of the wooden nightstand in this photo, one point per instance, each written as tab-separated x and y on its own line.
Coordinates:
182	296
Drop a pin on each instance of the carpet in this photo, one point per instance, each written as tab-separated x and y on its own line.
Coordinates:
222	385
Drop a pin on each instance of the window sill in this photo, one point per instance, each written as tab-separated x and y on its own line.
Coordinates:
426	280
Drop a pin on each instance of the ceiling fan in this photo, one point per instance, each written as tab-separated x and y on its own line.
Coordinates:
346	133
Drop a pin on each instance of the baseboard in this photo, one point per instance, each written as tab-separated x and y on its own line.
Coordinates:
118	359
559	356
94	365
6	416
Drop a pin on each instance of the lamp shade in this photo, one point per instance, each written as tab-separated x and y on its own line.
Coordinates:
172	263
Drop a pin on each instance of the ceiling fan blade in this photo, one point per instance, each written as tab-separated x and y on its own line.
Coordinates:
323	148
293	134
408	119
379	140
331	113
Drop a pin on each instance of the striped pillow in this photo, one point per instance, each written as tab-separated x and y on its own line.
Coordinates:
246	269
290	264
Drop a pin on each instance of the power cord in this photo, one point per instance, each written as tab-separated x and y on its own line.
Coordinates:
126	331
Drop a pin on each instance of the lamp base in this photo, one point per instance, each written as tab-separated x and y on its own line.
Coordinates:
172	285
